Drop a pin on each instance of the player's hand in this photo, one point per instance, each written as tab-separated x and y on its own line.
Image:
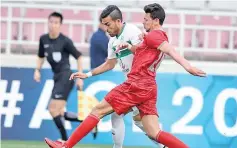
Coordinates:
121	46
196	72
78	75
80	84
37	75
141	36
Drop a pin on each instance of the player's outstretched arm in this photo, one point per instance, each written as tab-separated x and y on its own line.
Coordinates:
126	45
109	64
106	66
169	50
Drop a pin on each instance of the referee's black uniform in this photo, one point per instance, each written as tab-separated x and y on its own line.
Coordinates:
57	52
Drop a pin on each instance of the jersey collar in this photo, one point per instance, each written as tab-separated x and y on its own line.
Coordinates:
124	24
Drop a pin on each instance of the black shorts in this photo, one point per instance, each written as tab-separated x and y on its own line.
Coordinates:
62	85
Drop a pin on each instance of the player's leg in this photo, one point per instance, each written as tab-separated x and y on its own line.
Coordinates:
151	126
149	116
116	100
71	116
138	122
98	112
137	118
55	108
118	130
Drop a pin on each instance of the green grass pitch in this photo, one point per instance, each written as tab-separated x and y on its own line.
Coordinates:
37	144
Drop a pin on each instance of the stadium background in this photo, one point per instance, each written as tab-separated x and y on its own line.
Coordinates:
200	111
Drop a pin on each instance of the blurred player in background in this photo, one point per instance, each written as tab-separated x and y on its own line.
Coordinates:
120	32
57	47
99	46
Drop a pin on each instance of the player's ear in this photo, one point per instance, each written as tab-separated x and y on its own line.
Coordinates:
157	20
118	21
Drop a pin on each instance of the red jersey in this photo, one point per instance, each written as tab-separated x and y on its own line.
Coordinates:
148	57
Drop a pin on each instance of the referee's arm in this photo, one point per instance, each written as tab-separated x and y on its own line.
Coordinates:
75	53
39	62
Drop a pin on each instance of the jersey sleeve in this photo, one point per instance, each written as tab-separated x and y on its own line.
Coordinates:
135	31
155	39
111	52
41	49
72	49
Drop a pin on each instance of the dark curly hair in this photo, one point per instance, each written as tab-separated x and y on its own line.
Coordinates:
156	11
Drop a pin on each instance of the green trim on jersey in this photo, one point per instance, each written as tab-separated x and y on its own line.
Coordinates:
123	53
117	36
129	42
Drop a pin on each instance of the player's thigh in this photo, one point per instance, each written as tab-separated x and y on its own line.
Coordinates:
102	109
151	125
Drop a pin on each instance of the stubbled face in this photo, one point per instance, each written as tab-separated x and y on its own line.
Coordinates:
147	22
113	26
54	25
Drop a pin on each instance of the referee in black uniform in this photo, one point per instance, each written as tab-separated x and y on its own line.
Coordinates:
57	47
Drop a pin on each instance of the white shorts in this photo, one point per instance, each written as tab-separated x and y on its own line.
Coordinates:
135	111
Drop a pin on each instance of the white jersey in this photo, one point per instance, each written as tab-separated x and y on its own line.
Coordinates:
130	34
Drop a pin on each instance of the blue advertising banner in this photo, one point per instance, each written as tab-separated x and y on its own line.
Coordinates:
200	111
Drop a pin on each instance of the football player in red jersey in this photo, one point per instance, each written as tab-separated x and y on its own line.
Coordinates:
140	89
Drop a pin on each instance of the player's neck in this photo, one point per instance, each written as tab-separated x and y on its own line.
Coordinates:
121	28
54	36
157	27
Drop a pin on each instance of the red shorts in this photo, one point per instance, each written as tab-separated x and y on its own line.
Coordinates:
129	94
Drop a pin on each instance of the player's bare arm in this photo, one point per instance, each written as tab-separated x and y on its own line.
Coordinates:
80	69
106	66
133	48
128	46
79	64
170	50
39	63
141	36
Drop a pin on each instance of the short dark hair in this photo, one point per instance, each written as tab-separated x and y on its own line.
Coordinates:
156	11
57	14
113	11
